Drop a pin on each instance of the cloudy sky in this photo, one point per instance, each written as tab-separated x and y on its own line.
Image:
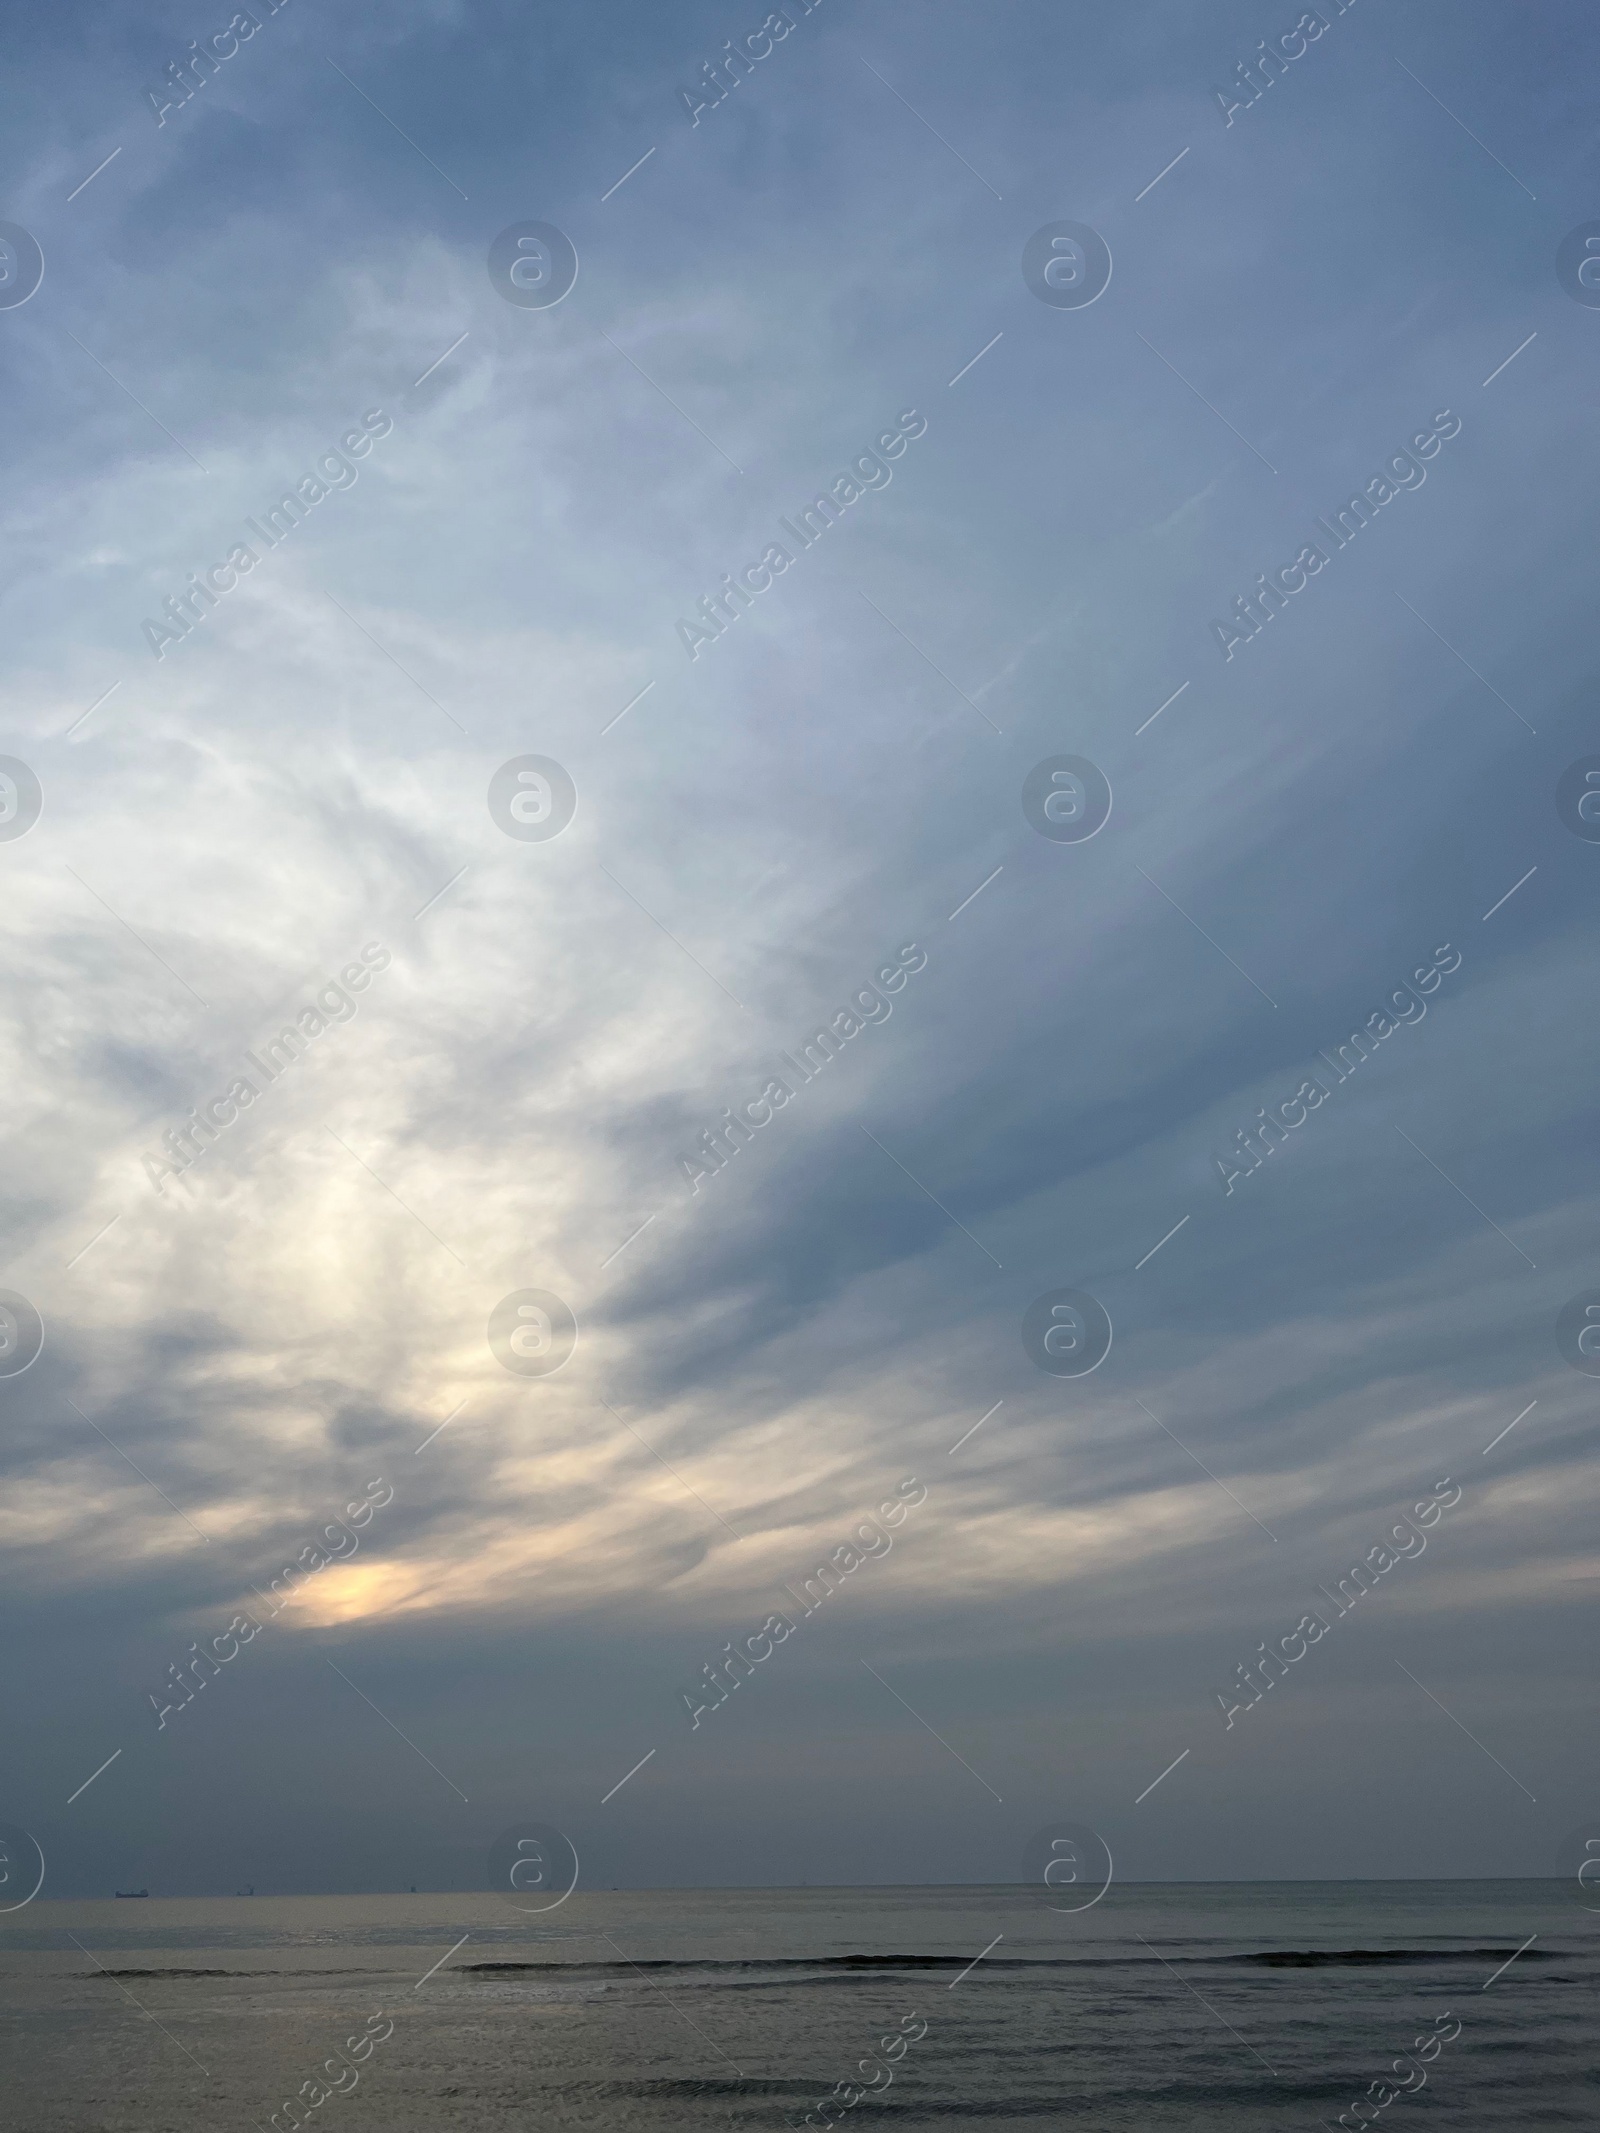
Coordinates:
514	1099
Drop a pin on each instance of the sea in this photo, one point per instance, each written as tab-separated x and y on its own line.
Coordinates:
1186	2006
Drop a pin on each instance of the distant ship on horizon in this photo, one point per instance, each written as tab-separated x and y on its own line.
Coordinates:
131	1892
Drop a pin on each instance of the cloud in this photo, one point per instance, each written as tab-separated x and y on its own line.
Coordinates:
559	1022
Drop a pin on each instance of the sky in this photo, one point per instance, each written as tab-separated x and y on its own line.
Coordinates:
543	982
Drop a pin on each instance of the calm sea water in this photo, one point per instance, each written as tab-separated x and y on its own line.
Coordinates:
1267	2005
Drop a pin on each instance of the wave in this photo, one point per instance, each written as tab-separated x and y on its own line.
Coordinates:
1313	1958
1275	1958
555	1971
150	1971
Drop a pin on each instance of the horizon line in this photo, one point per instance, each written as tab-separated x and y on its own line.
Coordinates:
734	1888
